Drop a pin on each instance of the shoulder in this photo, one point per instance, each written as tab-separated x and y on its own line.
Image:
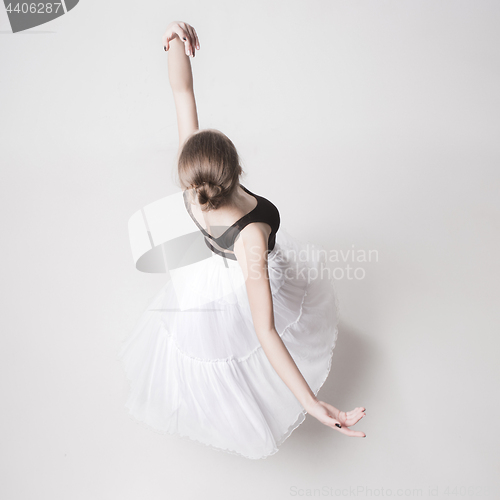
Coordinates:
250	247
253	234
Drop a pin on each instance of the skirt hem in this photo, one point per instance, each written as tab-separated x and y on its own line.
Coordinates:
300	418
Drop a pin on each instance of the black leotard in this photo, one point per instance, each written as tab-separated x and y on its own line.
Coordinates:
265	211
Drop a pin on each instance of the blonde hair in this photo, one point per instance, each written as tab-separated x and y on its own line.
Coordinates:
210	164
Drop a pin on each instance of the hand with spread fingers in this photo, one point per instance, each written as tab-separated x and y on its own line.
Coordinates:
339	420
186	34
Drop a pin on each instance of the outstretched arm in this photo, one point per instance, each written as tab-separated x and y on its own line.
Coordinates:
181	41
251	252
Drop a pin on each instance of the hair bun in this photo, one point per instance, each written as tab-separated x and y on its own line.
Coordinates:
210	195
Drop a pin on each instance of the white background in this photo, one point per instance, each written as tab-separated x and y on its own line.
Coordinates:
368	123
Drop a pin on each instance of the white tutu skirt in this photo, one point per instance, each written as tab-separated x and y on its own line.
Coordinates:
196	367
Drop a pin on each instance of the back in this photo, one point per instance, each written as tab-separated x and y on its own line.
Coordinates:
223	245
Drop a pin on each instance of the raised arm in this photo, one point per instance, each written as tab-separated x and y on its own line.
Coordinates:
251	252
181	41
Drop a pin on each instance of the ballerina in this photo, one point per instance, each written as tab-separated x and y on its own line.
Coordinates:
240	375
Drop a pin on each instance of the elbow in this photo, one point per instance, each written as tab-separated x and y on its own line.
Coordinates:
181	87
264	333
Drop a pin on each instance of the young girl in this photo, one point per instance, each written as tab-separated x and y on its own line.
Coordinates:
240	373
